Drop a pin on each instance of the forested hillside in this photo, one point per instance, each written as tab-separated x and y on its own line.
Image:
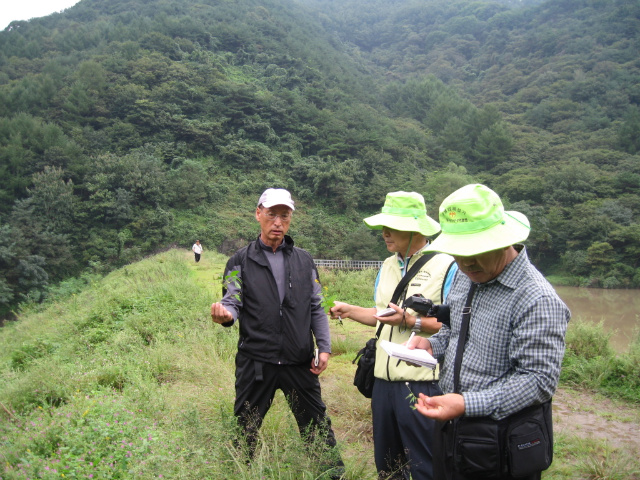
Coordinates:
565	78
129	125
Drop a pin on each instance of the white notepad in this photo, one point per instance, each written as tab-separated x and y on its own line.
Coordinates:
416	356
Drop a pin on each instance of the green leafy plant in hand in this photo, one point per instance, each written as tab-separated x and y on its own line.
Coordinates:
411	397
327	301
232	279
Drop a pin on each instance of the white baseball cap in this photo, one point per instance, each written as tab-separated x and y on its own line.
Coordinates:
276	196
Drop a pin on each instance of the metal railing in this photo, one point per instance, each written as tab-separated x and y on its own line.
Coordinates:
348	264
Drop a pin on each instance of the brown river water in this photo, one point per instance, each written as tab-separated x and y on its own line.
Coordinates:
619	310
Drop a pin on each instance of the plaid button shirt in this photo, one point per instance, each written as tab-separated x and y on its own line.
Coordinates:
515	344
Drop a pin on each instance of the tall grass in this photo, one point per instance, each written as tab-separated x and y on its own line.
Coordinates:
129	378
590	362
126	377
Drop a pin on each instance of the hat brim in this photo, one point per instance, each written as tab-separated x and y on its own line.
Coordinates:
427	226
284	203
514	229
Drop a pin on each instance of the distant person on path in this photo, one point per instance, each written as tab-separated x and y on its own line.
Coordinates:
504	366
401	435
197	250
276	296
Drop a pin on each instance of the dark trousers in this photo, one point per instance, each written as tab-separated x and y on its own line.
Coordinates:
197	255
256	385
401	435
443	468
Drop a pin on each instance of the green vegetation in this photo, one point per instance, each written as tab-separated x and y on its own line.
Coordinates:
125	376
591	363
130	126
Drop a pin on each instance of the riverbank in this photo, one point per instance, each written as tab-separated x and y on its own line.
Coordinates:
615	310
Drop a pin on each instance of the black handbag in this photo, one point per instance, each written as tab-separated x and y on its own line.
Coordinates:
366	356
519	445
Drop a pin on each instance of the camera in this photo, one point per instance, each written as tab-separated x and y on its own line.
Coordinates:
420	304
426	308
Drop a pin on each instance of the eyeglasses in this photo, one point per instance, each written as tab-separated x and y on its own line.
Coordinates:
285	217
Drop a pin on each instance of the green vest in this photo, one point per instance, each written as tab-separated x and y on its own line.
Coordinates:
428	281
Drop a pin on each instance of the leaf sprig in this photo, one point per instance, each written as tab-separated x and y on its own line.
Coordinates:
234	279
327	301
411	397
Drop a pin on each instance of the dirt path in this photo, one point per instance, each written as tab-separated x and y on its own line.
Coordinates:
597	417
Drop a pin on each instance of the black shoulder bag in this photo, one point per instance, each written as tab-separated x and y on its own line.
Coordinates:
366	357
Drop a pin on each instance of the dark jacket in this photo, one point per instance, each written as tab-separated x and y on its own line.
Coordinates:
271	332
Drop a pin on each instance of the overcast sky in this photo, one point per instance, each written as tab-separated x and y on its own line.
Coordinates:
26	9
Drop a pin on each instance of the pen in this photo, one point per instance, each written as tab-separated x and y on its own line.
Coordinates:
410	337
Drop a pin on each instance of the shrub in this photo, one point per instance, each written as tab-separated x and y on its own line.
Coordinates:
587	340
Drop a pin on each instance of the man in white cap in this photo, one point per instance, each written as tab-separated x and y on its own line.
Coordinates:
276	295
502	351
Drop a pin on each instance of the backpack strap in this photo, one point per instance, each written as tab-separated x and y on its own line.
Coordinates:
462	338
402	284
415	268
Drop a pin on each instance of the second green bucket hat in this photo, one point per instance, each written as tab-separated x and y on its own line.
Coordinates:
474	221
404	211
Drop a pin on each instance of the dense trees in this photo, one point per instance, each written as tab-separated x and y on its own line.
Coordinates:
129	125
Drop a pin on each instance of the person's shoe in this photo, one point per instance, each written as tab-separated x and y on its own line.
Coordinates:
336	473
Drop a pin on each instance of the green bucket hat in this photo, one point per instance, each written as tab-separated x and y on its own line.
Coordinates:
404	211
474	221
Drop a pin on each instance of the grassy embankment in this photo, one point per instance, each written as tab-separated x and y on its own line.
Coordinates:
128	378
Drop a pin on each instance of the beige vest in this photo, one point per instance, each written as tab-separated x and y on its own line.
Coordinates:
428	281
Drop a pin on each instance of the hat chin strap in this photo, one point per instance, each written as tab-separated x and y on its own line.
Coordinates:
406	257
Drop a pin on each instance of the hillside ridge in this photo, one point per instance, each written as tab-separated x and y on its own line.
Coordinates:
130	125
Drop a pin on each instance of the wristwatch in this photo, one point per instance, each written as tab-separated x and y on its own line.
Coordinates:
418	324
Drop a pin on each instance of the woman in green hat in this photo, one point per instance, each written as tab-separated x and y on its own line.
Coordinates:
402	437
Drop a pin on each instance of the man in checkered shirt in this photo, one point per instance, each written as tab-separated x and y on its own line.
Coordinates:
515	340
